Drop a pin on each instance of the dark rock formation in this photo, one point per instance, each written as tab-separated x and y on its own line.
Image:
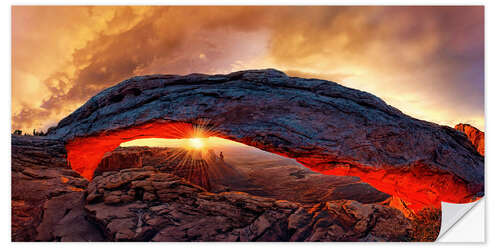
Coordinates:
145	205
43	189
323	125
475	135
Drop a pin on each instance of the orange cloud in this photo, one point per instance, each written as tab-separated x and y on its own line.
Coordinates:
426	61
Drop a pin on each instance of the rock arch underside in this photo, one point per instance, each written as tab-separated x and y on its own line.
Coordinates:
326	127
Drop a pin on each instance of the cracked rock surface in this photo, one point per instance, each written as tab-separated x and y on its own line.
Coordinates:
47	195
144	205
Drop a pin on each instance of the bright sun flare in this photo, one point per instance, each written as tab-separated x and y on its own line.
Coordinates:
196	143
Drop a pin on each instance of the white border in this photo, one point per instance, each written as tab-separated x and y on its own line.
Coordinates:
461	231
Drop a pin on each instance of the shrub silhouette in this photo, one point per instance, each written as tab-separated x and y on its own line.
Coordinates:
426	224
35	133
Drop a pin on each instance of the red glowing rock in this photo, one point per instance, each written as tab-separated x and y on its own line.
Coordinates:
475	135
327	127
85	153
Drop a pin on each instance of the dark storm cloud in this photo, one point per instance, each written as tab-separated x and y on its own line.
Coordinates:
435	52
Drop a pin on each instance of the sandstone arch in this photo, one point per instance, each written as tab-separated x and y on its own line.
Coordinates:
323	125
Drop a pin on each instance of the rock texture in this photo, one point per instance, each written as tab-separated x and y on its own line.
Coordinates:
145	205
323	125
121	159
45	193
64	219
475	135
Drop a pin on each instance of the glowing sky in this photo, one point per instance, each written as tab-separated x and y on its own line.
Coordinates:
426	61
210	142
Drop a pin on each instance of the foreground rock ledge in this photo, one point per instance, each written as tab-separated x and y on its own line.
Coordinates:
323	125
145	205
47	195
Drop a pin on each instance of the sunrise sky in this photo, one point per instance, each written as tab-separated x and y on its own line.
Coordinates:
426	61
